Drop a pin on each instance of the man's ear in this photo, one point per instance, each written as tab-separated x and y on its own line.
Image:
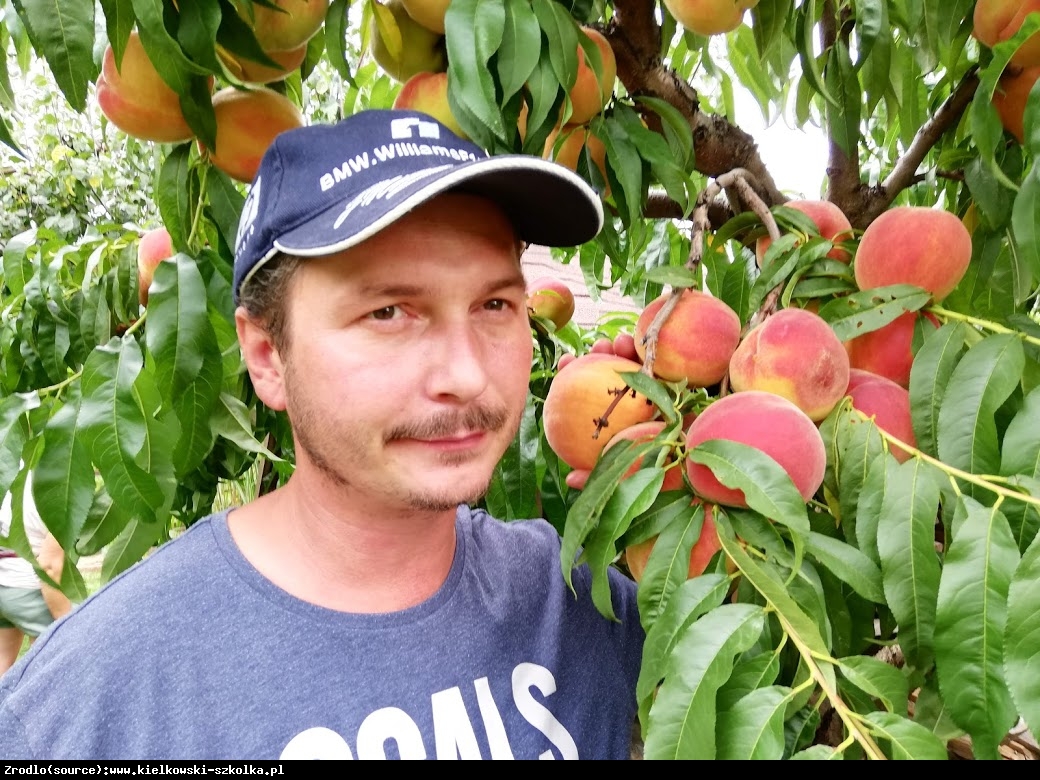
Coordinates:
263	360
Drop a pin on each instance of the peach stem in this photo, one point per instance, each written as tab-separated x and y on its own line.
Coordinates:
984	324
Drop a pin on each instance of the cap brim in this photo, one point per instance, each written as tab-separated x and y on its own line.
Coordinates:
547	204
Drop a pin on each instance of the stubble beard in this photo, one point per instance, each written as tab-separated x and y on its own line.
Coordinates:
314	437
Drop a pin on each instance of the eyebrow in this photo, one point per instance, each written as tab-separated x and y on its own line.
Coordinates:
399	290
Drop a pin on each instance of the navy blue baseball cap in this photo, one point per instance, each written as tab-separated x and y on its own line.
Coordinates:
325	188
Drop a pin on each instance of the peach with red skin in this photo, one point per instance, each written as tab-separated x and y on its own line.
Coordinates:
887	350
641	432
795	354
830	221
707	544
136	99
576	401
154	247
602	346
625	346
247	123
926	247
887	403
552	299
767	422
695	343
428	92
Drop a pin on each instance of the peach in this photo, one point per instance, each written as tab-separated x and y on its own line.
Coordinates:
247	123
915	245
1010	99
709	17
576	139
795	354
887	350
641	432
552	299
830	221
428	92
136	99
154	247
429	13
886	402
707	544
625	346
577	400
603	346
996	21
295	23
695	343
257	73
592	89
421	50
767	422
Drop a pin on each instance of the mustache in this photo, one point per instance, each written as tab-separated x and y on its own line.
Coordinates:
478	418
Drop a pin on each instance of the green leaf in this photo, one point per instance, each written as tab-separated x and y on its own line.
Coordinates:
177	194
7	139
753	728
1020	455
336	39
198	22
870	310
625	168
474	30
633	496
545	97
669	563
984	378
231	421
929	377
115	427
562	35
970	621
62	31
521	48
104	523
817	753
848	564
907	740
163	50
676	276
767	488
63	480
749	674
652	389
13	434
863	449
843	113
683	717
1022	637
877	679
129	547
1025	215
909	564
225	204
513	493
119	23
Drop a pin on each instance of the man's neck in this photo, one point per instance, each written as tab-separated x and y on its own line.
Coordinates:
323	545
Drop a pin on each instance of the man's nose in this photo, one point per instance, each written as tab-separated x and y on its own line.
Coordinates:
458	363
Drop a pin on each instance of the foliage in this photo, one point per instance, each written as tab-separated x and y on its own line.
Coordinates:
129	417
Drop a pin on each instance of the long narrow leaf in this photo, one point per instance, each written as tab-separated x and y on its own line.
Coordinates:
1022	637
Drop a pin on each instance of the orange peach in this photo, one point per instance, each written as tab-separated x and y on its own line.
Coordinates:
830	221
796	354
592	89
695	343
709	17
625	346
576	139
577	400
136	99
421	49
552	299
767	422
915	245
247	122
257	73
429	13
1010	99
886	402
995	21
887	350
428	92
707	544
290	26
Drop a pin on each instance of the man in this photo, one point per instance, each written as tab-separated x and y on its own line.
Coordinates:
27	604
363	610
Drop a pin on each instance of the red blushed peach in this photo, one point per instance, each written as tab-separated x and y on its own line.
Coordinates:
641	432
428	92
886	402
552	299
576	401
830	221
996	21
1010	100
704	548
887	350
767	422
695	343
915	245
797	355
625	346
154	247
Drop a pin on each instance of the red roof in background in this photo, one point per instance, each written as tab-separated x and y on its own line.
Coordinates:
537	261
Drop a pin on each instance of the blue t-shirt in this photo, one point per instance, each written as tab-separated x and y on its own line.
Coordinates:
193	654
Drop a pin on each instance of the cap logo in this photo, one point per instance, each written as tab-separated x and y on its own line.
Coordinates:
402	128
249	212
384	189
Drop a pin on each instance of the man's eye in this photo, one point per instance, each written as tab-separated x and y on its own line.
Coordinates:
497	304
386	313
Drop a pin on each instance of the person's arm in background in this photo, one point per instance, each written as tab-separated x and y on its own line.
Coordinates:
52	559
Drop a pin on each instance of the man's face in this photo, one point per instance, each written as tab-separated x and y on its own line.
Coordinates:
407	359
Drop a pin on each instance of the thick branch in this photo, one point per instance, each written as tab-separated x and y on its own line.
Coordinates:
843	175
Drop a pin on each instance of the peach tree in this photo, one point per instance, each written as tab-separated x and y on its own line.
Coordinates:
863	582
